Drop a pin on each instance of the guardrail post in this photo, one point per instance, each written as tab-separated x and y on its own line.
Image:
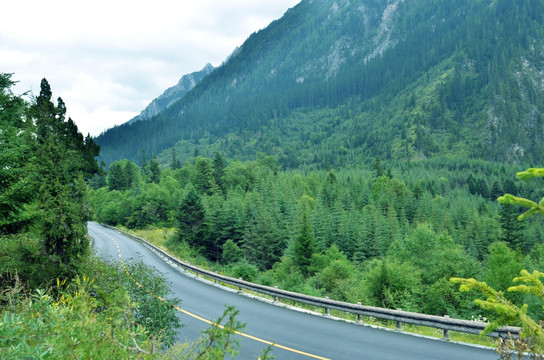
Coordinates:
240	289
446	331
327	310
466	326
359	316
276	298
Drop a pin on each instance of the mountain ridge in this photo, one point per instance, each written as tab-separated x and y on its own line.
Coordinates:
173	94
338	82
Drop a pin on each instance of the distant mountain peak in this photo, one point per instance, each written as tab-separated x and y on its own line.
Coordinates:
338	82
173	94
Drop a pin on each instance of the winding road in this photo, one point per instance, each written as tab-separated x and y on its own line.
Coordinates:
298	335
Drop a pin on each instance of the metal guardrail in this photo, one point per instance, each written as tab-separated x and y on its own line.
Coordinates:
444	323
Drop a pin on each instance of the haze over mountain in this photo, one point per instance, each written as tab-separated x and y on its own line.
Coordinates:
340	82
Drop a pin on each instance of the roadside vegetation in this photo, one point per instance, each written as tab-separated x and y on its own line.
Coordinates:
57	300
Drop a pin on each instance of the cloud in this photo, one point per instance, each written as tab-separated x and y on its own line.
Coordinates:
109	59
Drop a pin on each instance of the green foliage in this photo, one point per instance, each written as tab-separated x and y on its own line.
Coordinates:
108	317
533	207
424	219
75	324
242	269
191	222
157	316
304	246
392	285
45	164
16	192
154	171
437	256
231	252
502	265
63	160
123	175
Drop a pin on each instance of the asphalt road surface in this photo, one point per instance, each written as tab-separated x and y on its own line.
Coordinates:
299	335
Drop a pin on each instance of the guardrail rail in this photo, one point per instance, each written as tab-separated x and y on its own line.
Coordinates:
444	323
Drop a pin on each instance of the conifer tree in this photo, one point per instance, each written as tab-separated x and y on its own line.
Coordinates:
191	219
15	160
219	171
60	169
154	170
377	167
511	228
507	313
304	246
202	180
175	164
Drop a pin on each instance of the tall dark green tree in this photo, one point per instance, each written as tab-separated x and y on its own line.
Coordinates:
15	160
377	167
154	170
175	163
191	219
511	228
219	171
304	246
60	172
203	176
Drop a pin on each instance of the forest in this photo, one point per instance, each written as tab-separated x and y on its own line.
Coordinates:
385	234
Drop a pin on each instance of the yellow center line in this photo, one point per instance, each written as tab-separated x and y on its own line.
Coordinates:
208	321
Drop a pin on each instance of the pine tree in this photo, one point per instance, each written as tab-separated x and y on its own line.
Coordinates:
15	160
202	180
60	172
191	220
219	172
512	229
154	170
175	164
377	167
304	246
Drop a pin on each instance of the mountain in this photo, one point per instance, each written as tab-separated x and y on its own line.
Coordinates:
173	94
338	82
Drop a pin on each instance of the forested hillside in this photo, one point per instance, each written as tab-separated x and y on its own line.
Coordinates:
388	238
337	83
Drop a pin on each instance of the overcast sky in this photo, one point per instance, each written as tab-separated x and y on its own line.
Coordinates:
108	59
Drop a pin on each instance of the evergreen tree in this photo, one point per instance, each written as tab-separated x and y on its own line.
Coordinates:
115	178
263	241
329	192
191	220
175	163
496	190
154	170
377	167
202	180
15	160
304	246
219	172
60	169
511	228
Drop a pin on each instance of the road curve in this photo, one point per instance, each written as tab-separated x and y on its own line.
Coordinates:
299	335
